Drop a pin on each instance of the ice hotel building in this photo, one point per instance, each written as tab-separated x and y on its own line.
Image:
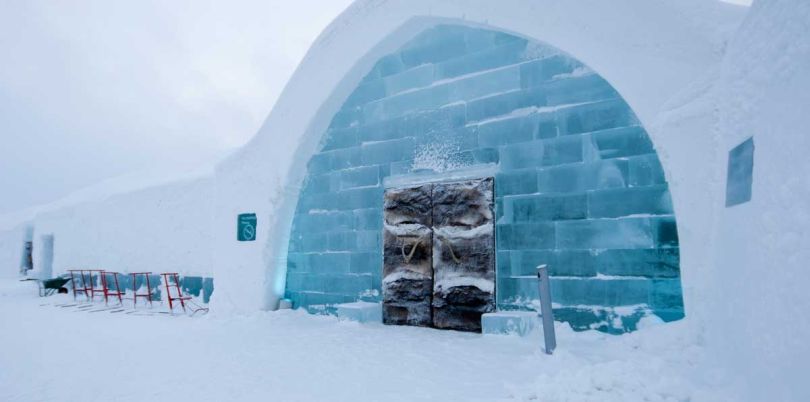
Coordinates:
430	155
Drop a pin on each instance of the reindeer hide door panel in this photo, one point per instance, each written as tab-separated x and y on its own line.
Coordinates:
463	254
439	255
407	263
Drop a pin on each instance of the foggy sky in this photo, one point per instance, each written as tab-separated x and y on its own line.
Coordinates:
90	90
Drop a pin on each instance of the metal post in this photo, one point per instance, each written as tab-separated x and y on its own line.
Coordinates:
545	309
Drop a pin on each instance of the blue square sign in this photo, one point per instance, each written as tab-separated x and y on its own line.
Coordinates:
246	227
740	173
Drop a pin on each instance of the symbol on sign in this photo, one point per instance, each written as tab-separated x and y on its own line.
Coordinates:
248	232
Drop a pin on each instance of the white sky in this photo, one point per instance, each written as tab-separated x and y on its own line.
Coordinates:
94	89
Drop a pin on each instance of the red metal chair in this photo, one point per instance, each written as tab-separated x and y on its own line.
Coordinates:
135	294
179	294
93	289
105	286
86	284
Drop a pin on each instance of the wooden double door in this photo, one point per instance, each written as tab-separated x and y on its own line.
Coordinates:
439	254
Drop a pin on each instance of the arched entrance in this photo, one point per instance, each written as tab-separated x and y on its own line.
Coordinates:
578	185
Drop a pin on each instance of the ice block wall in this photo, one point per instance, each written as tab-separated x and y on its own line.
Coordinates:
578	184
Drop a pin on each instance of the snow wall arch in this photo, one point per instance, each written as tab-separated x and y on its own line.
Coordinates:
265	176
578	184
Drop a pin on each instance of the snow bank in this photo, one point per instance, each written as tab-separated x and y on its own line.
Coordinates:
293	356
627	373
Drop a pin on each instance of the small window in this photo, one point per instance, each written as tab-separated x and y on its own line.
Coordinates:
740	173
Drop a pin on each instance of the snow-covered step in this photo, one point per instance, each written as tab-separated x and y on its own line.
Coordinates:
360	312
520	323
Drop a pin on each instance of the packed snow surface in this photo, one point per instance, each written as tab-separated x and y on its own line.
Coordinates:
292	356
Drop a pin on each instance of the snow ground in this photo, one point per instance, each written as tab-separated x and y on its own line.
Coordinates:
50	353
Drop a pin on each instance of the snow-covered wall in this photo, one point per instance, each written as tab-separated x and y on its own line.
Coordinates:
761	273
158	229
12	250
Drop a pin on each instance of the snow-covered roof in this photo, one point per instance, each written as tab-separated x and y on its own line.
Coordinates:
624	41
124	184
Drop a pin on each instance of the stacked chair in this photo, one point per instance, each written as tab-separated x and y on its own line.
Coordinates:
92	283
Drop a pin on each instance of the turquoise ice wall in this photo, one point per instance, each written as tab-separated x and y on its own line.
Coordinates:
578	183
